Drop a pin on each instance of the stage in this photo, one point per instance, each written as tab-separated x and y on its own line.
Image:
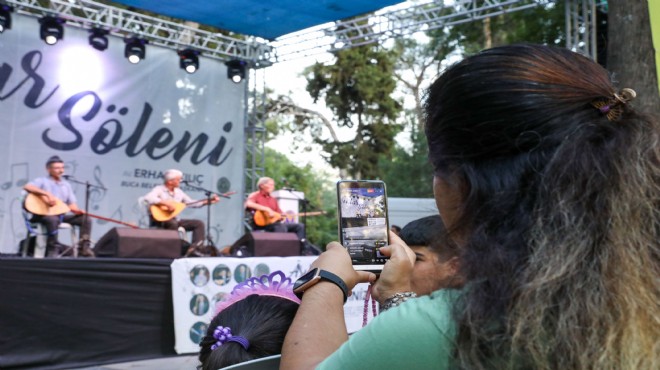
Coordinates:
67	313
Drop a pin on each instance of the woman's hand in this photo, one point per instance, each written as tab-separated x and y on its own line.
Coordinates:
337	260
397	272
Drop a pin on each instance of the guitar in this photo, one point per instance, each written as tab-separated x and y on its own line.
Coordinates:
36	205
161	215
262	219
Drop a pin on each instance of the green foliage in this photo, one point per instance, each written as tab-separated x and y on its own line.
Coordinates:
318	191
544	24
408	174
358	89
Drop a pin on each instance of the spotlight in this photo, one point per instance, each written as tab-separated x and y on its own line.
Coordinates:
236	70
51	30
5	17
135	50
98	39
189	60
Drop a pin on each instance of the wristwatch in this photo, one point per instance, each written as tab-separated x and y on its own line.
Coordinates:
315	275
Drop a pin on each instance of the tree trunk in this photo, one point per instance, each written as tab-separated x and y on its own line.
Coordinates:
630	53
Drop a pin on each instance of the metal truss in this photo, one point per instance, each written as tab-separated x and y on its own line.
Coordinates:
581	26
125	23
255	130
383	25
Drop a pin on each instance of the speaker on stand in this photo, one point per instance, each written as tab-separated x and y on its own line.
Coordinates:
139	243
266	244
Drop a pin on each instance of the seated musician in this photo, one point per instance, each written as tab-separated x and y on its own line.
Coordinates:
261	200
54	190
167	197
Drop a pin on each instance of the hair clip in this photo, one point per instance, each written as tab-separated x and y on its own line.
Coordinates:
276	284
613	108
223	334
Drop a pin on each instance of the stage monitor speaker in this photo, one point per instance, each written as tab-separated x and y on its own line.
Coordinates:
267	244
139	243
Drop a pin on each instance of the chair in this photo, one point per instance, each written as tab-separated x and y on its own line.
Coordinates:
264	363
38	231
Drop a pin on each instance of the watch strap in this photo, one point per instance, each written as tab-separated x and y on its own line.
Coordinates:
329	276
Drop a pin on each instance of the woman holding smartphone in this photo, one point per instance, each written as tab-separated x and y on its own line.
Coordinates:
549	181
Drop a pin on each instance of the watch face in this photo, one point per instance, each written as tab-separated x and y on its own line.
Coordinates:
305	278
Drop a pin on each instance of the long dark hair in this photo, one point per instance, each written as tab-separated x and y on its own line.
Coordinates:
562	205
262	320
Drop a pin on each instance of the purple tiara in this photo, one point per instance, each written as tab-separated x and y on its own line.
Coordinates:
276	285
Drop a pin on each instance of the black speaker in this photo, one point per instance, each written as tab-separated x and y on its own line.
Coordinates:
139	243
265	244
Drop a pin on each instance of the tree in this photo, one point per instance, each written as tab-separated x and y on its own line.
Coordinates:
630	51
408	173
358	89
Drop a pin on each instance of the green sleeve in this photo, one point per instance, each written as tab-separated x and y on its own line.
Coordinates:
417	334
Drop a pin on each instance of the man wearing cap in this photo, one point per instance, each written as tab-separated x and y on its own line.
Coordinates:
53	188
166	197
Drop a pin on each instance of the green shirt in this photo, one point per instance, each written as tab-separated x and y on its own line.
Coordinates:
418	334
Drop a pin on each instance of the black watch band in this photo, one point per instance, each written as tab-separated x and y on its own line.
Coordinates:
329	276
315	275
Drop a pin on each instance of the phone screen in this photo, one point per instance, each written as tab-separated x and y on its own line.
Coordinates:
363	223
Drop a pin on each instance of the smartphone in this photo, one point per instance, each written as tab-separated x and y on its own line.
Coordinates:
363	222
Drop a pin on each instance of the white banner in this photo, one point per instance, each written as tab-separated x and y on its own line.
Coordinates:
199	283
116	125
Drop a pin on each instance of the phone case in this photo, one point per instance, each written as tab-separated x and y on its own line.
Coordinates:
363	222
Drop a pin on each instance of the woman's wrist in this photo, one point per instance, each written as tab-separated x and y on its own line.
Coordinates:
395	300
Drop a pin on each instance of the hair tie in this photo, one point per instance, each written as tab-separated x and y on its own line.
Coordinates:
613	107
223	335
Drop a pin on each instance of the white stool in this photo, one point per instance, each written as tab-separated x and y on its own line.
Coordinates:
39	231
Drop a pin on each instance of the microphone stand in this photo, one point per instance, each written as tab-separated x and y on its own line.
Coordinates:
88	186
208	194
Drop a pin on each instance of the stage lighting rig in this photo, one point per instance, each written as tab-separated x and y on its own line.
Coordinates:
5	17
98	38
135	49
189	60
236	70
51	30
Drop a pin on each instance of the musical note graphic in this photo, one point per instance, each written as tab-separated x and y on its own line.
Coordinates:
19	171
70	167
96	194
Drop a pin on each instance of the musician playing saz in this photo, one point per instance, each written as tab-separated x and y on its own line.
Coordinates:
167	196
51	189
261	200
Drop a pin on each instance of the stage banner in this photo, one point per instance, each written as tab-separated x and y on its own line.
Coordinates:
118	126
198	284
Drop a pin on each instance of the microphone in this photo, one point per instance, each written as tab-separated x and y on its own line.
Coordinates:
185	182
66	177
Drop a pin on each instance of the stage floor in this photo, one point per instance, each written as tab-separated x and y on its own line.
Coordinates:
71	313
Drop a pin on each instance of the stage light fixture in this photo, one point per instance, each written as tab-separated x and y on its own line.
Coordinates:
236	70
5	17
189	60
51	30
98	39
135	49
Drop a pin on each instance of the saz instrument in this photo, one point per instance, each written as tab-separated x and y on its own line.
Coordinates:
161	215
36	205
261	218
